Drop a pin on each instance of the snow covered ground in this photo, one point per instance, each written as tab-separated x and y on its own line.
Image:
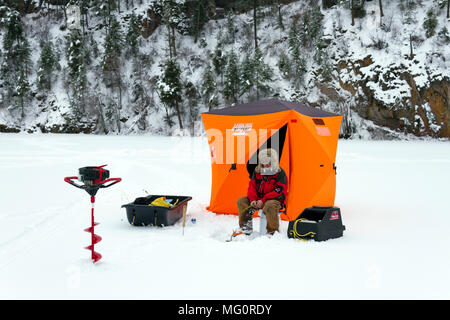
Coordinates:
393	196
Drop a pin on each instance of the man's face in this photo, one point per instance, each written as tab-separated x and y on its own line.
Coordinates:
266	165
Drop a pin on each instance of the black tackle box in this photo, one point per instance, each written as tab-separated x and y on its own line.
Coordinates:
139	213
318	222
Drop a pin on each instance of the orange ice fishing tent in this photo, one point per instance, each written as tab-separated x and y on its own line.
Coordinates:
305	138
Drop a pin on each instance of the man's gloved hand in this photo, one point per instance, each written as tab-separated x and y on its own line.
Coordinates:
258	204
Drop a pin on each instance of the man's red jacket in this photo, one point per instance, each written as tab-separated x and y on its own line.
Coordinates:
265	188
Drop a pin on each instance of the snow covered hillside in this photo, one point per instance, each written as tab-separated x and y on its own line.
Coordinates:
388	75
393	196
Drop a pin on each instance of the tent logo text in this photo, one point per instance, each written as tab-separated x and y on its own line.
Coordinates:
241	128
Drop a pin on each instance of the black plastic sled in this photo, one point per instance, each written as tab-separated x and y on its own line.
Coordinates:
139	213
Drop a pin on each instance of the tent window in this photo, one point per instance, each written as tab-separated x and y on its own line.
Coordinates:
319	122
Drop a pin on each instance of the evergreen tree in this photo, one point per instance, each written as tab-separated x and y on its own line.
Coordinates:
311	27
140	98
113	46
263	74
172	17
47	65
104	9
444	35
133	35
232	81
284	64
430	23
316	23
111	63
192	97
94	47
198	18
209	89
304	32
277	6
293	37
16	62
255	75
230	28
296	67
255	23
219	61
322	60
408	6
76	73
15	44
170	88
247	78
23	88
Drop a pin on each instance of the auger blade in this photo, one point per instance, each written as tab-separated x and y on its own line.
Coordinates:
96	238
91	229
96	256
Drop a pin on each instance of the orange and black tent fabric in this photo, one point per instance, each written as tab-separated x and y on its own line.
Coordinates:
305	138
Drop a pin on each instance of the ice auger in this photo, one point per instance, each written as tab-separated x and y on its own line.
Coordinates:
93	178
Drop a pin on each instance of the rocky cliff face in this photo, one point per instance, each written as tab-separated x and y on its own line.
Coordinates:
397	98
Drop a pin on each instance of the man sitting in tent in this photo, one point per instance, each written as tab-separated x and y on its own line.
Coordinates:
267	190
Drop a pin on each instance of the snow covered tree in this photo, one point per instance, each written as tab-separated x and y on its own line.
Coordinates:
232	81
104	9
230	27
77	81
170	88
47	66
322	60
209	89
192	99
247	74
316	23
444	35
172	17
263	74
111	63
296	66
15	44
293	36
255	23
255	75
141	99
430	23
16	59
284	64
133	35
199	17
407	7
278	5
23	88
219	61
310	28
113	46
